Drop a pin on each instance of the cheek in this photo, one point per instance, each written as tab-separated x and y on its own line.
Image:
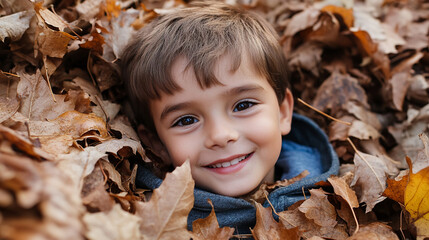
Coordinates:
264	129
180	149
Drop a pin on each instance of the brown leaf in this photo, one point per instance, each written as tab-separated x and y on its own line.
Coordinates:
294	218
264	189
318	208
113	225
301	21
45	206
49	17
342	189
52	43
422	159
267	228
208	228
165	215
370	178
345	13
396	188
337	91
375	230
94	194
36	99
363	131
8	107
14	26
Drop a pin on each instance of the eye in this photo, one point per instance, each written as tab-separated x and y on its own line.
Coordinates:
185	121
241	106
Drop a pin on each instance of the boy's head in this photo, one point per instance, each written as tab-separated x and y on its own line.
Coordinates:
211	82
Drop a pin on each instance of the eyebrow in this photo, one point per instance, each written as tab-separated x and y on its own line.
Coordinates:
231	92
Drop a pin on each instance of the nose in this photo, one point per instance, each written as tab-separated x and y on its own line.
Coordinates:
219	132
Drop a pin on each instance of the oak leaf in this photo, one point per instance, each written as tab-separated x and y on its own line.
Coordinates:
267	228
208	228
165	215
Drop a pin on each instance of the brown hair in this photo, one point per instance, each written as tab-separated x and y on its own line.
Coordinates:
202	32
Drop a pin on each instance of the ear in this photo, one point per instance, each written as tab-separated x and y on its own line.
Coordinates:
153	144
286	111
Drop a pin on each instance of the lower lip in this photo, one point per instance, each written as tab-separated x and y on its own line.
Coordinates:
231	169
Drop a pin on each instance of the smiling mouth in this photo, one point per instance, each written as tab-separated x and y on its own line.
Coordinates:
230	163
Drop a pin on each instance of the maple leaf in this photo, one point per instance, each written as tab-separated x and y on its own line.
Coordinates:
165	215
208	228
416	200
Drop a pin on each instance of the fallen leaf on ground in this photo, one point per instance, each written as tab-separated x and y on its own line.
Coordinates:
267	228
165	215
416	200
116	224
375	230
370	178
208	228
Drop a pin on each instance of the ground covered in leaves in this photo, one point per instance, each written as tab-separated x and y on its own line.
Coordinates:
68	154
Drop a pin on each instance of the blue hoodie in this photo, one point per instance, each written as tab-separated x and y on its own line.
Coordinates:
306	147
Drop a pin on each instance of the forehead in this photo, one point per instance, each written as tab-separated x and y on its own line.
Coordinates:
183	72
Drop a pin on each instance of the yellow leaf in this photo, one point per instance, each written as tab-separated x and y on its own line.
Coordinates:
417	200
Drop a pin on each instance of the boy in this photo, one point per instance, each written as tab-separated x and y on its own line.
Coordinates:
210	83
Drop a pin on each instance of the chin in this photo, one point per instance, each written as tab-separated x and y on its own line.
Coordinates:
234	192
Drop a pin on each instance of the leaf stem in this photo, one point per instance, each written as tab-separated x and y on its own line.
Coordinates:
364	159
324	114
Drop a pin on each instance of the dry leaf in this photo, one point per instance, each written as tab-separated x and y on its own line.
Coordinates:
422	159
294	218
345	13
265	189
375	230
396	188
341	188
370	178
267	228
318	208
416	200
116	224
337	91
208	228
14	26
43	206
165	215
49	17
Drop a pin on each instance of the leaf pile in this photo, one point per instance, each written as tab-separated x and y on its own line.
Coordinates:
69	154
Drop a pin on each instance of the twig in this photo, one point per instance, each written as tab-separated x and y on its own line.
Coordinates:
45	58
10	74
324	114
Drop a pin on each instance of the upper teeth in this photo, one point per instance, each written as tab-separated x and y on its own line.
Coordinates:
227	164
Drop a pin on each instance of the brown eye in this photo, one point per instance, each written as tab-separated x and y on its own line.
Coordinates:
243	106
185	121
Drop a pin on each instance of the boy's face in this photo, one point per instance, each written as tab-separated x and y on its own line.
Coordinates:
231	133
